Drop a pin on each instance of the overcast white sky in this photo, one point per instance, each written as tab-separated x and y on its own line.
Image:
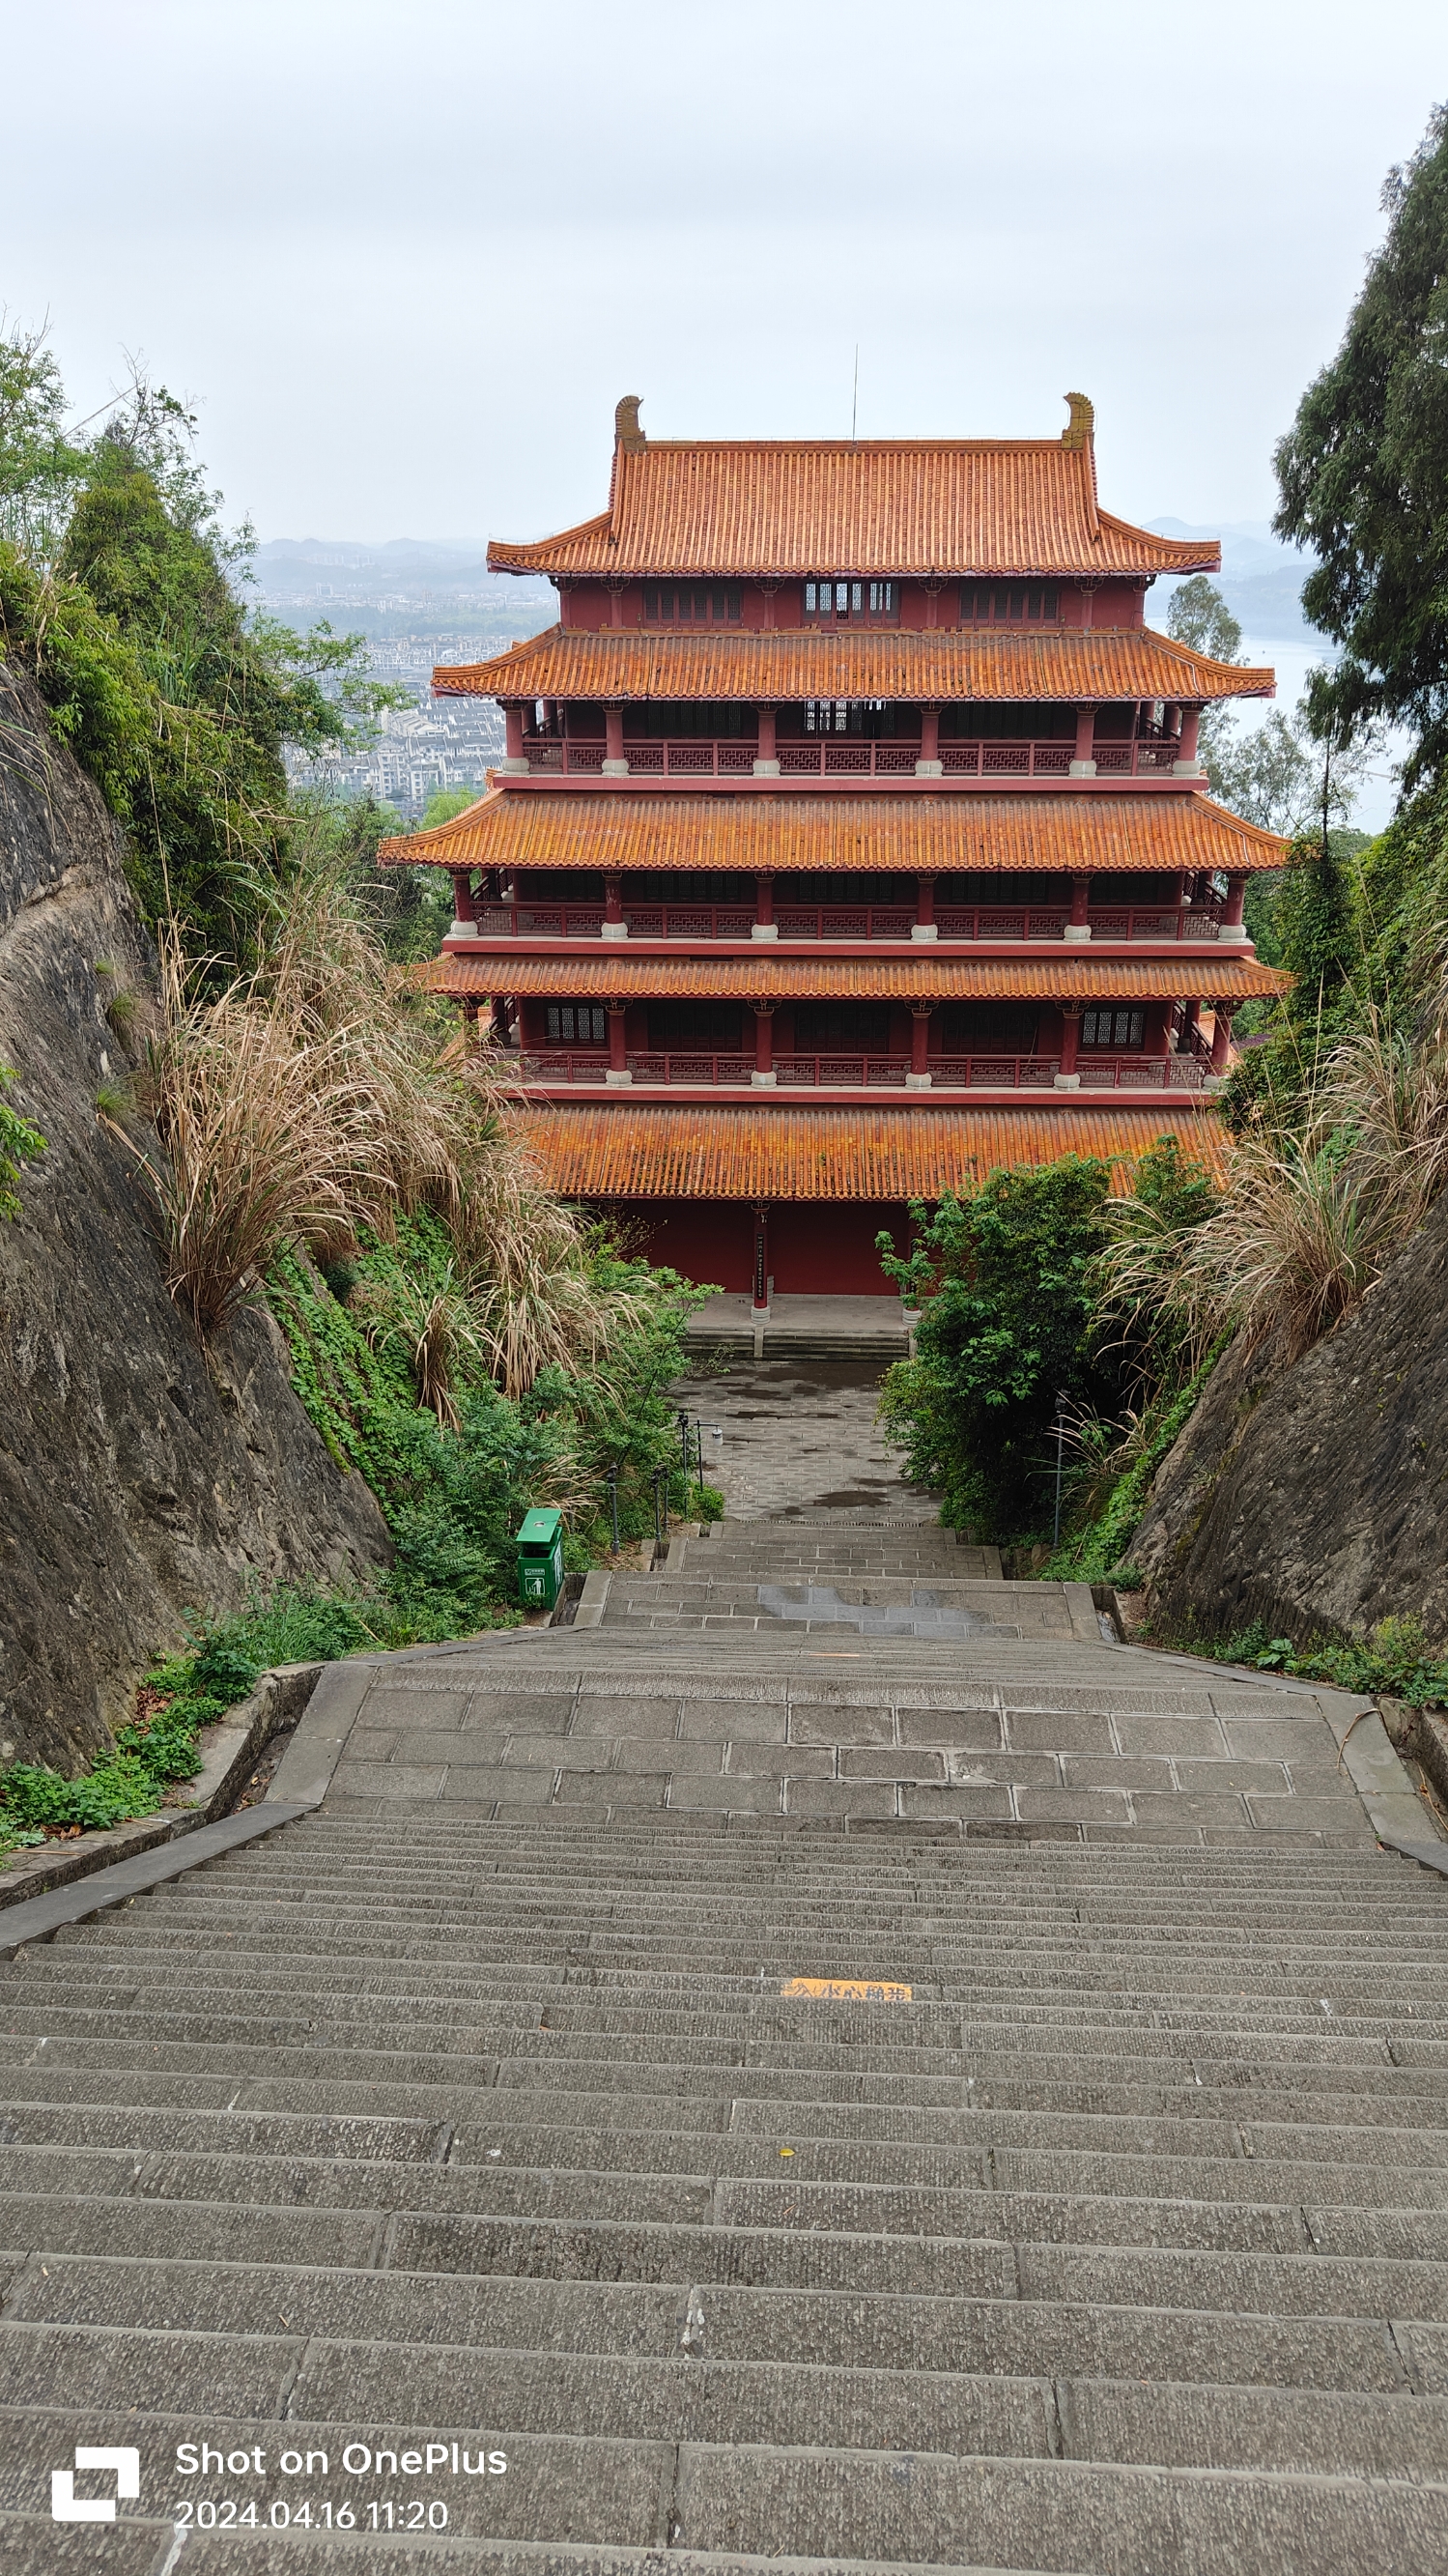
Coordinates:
406	258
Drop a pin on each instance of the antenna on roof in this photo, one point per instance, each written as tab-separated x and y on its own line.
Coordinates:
855	397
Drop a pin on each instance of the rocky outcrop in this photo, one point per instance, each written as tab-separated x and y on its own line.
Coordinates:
1315	1495
142	1473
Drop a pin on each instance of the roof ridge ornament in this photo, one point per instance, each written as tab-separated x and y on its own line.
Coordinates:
1080	429
626	431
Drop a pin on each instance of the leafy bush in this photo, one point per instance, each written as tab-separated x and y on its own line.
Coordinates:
19	1143
1396	1659
1007	1329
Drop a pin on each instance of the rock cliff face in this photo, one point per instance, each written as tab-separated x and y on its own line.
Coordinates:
1316	1496
140	1472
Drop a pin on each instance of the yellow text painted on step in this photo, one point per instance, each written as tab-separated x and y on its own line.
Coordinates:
857	1990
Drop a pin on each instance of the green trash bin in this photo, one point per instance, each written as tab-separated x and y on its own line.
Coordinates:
540	1560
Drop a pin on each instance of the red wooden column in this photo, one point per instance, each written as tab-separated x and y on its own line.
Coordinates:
1221	1037
918	1077
1187	764
464	925
617	1044
763	1075
1078	928
924	925
1232	925
1190	1010
1083	759
1068	1079
928	765
614	925
614	763
766	758
764	924
500	1022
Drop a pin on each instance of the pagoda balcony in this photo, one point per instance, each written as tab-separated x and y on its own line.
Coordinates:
965	922
561	1066
830	756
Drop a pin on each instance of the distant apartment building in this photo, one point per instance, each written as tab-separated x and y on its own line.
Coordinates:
415	750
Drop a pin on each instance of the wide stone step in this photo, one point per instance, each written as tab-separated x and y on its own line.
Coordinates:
1221	2219
1302	2346
1118	2247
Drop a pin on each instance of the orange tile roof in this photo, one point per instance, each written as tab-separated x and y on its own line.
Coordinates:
749	828
1100	665
1204	973
909	506
630	1151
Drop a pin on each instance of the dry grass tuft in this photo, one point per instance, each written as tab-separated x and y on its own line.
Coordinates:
322	1093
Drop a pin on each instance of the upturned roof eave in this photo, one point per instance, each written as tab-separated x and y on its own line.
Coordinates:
522	672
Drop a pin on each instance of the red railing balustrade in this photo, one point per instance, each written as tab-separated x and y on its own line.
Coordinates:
975	922
703	1069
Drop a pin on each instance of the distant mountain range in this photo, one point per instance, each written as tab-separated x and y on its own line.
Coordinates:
1261	581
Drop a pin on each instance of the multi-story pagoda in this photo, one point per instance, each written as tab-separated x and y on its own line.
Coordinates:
851	839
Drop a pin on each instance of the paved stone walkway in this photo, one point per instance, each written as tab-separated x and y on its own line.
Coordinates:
800	1438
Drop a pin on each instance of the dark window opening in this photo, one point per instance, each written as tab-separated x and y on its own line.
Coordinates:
694	603
713	1027
999	723
1113	1028
577	1024
842	1028
870	717
988	1028
694	718
1009	603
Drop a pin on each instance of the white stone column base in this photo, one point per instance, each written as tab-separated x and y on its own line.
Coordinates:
1187	769
1076	933
1067	1081
613	929
614	769
917	1081
762	1081
930	769
764	930
1082	769
766	769
1235	936
618	1081
924	931
1215	1082
513	767
464	930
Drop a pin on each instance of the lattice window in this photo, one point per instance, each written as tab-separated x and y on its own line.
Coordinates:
1113	1028
849	600
1010	603
577	1024
694	603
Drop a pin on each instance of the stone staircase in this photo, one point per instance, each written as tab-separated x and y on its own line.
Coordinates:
801	2094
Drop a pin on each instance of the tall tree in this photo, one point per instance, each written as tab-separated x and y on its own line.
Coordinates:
1363	474
1199	616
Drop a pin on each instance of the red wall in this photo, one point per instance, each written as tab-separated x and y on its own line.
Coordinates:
819	1249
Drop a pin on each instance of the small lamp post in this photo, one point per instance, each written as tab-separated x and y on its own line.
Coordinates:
1062	1401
